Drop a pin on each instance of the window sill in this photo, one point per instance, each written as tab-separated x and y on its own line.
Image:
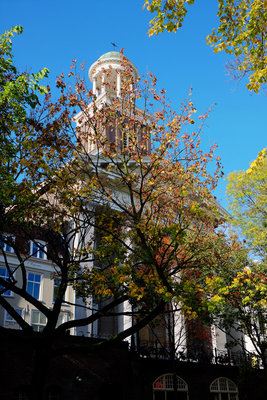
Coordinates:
63	304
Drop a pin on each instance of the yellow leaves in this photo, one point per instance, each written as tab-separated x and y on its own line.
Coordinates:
262	303
135	291
247	193
216	299
188	313
259	162
194	208
160	290
246	300
169	14
241	31
246	289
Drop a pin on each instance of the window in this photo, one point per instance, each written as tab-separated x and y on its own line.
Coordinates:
5	275
56	289
63	317
53	393
163	388
224	389
37	249
10	320
6	246
34	285
38	321
21	393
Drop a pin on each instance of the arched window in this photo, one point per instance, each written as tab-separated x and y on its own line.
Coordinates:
164	386
224	389
53	393
21	393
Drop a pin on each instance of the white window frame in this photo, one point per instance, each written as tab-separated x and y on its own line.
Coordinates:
216	388
164	383
10	320
10	294
4	246
40	250
38	325
40	283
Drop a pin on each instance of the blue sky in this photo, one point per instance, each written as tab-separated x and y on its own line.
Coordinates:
55	32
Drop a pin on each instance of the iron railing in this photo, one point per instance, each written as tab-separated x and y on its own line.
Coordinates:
217	356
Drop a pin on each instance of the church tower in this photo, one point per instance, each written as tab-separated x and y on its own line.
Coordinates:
107	75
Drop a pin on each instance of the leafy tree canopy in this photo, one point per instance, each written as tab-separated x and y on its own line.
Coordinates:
17	90
18	94
237	303
241	32
238	290
247	195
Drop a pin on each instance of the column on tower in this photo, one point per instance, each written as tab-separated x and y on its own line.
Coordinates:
103	86
94	85
119	83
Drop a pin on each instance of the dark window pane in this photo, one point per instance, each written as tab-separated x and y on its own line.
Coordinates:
180	395
159	395
170	396
31	276
36	291
30	288
34	250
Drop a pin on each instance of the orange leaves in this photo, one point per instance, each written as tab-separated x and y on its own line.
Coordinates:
60	82
156	97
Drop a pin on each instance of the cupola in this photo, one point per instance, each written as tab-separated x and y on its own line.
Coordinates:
106	73
109	74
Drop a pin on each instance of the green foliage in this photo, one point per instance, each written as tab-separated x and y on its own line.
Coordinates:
237	291
241	32
17	90
247	195
239	300
170	15
18	93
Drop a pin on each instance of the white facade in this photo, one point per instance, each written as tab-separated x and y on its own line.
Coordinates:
41	284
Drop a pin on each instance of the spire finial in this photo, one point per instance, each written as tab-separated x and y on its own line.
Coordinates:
114	46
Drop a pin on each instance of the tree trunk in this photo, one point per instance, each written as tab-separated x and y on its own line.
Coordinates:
40	365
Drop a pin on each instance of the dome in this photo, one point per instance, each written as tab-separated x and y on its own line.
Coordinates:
112	59
111	54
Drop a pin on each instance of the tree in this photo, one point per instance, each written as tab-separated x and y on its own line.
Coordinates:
18	93
237	291
240	295
247	195
135	184
232	297
238	305
241	32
